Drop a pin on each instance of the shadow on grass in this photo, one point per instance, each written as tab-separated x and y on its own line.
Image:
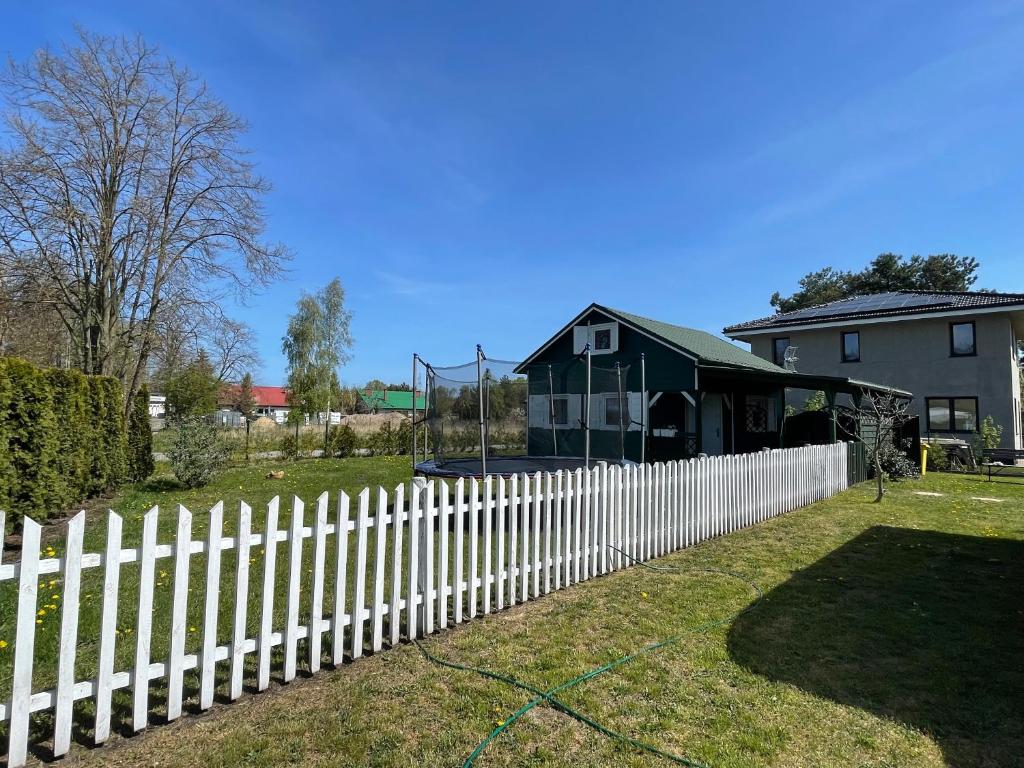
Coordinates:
919	626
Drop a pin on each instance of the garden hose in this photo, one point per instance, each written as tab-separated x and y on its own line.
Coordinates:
549	697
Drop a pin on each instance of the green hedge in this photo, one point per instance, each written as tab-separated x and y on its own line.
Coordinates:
62	438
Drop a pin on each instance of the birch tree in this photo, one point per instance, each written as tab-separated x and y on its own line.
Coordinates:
317	343
124	187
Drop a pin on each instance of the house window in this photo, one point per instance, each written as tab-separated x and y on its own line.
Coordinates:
779	347
603	339
952	414
851	346
760	414
561	411
613	411
961	340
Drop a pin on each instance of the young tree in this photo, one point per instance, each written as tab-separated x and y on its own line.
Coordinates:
876	418
245	403
125	188
140	438
193	391
316	344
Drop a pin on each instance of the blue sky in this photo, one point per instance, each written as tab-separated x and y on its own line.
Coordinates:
480	172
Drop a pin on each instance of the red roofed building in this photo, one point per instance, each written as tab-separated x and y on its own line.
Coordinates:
271	402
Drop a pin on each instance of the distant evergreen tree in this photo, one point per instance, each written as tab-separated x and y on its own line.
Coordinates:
140	438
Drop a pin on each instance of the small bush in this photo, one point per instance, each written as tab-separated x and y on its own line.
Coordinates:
938	459
198	453
342	441
289	447
895	463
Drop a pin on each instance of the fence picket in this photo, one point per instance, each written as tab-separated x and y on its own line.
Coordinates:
379	554
267	596
341	529
140	674
443	577
241	599
358	622
513	539
24	642
68	634
474	543
460	543
208	665
427	560
399	519
499	568
412	594
108	628
548	500
538	503
488	509
316	596
179	614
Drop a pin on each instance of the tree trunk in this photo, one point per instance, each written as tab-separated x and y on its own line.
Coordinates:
248	419
879	477
327	428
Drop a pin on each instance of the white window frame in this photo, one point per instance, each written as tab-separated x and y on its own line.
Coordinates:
580	338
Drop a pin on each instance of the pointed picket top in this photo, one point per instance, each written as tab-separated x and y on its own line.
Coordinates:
24	642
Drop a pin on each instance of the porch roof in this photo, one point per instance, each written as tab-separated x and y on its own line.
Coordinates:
795	380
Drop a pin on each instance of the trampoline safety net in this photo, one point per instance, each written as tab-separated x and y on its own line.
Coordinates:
457	397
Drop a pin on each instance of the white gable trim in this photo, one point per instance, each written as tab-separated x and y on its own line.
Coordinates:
619	319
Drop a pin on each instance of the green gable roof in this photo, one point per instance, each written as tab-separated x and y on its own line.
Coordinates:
391	400
706	347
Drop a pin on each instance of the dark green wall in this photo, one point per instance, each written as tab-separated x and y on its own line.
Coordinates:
666	370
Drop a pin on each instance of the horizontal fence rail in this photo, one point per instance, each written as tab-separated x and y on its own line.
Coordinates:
333	582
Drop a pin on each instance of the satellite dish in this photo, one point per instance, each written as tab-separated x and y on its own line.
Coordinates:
790	358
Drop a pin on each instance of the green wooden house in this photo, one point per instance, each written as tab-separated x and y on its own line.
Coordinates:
657	391
391	400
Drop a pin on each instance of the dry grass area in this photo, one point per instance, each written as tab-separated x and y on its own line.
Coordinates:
890	635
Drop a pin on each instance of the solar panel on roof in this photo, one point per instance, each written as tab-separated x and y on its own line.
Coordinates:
877	302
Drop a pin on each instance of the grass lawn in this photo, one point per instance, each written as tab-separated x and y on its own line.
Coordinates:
890	635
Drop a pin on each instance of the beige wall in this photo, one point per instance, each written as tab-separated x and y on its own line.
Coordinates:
914	355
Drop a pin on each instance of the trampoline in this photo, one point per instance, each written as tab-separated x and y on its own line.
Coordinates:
506	466
506	418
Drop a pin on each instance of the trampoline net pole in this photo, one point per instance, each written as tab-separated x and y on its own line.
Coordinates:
644	408
551	408
622	410
480	394
586	415
414	427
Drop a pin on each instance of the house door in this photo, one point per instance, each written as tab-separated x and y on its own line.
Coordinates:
711	424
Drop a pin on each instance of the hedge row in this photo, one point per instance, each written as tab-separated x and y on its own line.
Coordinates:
62	438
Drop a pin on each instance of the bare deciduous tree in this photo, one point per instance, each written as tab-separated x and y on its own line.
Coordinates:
875	420
124	187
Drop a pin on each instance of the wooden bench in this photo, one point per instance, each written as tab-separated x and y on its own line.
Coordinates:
1000	460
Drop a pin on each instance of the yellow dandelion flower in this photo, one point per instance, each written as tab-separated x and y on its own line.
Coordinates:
3	644
39	621
191	629
41	612
55	597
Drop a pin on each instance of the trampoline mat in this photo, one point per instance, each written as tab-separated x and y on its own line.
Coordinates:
508	465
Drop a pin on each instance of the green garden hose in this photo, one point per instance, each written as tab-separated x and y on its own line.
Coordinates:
549	697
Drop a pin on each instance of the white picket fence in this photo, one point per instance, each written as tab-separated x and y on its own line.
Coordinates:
445	554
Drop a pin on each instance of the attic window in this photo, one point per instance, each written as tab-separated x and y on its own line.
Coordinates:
602	337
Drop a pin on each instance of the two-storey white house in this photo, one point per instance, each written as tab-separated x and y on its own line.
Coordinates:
957	352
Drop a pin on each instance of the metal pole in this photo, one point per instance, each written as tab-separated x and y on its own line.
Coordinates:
480	397
644	408
426	399
414	356
551	407
622	432
586	421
